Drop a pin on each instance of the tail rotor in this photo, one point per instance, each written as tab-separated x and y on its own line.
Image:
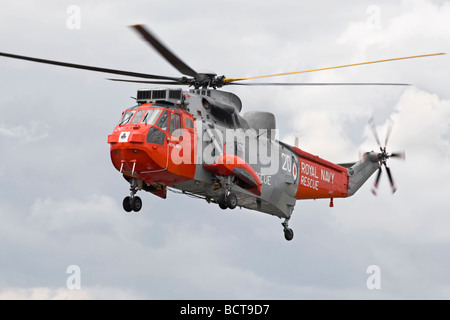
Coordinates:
383	156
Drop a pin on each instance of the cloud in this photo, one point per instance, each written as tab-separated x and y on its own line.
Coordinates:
42	294
46	293
420	27
32	132
424	120
418	20
323	134
95	213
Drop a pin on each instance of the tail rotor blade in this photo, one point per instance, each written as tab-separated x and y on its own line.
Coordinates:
401	155
394	188
388	132
374	130
377	180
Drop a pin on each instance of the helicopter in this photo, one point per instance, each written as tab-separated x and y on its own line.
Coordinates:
196	142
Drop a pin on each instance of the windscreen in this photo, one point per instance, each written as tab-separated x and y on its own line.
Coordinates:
151	116
127	117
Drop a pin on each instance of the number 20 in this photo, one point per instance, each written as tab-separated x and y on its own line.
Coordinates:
287	162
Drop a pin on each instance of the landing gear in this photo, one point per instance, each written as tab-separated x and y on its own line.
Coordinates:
288	232
222	201
136	204
127	204
132	202
227	201
231	201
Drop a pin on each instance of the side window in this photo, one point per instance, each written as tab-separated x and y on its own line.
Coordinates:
172	123
189	123
178	121
156	136
175	122
162	122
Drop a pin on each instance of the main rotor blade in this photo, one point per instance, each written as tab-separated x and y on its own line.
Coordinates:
374	130
317	84
90	68
227	80
165	52
149	82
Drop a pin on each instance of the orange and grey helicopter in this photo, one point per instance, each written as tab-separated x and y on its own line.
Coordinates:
198	142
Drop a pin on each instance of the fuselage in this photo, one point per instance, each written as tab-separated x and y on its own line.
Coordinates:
180	142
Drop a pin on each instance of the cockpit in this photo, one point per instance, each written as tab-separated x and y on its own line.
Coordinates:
161	119
154	142
138	117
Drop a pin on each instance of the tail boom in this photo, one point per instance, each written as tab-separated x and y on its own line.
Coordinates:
361	171
321	179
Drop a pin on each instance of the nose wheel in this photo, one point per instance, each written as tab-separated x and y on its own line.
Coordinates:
132	202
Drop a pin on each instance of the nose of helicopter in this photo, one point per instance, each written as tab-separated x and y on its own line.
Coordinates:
138	151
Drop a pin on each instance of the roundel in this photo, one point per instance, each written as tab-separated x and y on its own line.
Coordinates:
294	171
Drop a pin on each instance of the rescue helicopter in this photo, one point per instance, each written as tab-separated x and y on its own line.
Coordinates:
196	141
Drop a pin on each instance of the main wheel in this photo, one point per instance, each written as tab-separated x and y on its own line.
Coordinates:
127	204
222	202
136	204
288	234
231	201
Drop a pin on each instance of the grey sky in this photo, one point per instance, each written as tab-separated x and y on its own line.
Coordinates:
61	197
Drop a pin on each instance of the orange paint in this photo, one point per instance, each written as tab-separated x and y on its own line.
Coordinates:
153	162
319	178
227	165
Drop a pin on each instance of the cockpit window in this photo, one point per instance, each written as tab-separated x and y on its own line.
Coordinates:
175	122
189	123
162	122
137	117
126	117
151	116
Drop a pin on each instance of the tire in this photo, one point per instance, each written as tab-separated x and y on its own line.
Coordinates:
288	234
231	201
127	204
136	204
222	202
